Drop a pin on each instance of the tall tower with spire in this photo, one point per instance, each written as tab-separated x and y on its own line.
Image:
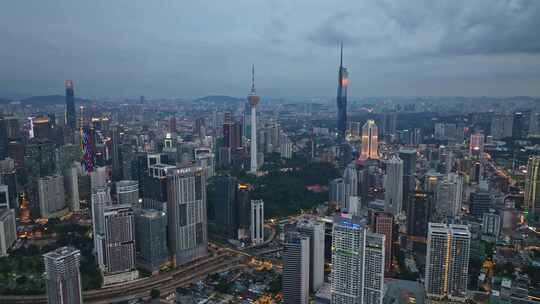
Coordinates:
253	100
343	81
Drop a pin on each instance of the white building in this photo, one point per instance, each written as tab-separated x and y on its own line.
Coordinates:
393	186
314	229
186	212
62	276
357	262
449	196
257	222
52	201
71	185
447	261
350	181
98	177
8	230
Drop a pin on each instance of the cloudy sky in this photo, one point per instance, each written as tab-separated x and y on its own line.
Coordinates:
170	48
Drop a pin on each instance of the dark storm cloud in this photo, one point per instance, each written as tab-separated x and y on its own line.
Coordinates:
438	27
183	48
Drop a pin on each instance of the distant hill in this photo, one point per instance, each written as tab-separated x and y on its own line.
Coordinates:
220	99
48	100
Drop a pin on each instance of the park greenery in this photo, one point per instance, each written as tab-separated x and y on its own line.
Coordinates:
283	187
22	272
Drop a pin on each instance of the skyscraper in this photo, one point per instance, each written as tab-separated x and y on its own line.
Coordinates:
393	186
119	243
476	145
62	276
384	223
186	212
295	279
337	193
374	264
151	239
4	197
52	201
357	262
117	164
447	261
314	230
127	192
449	196
532	185
8	230
225	207
343	81
350	181
370	141
253	99
257	221
71	117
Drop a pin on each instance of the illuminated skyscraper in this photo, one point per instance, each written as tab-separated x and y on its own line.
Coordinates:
71	117
343	81
253	99
532	185
370	141
447	261
476	145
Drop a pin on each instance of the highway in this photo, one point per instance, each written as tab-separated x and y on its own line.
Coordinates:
166	282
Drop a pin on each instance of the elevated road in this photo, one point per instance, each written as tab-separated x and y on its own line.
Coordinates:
166	282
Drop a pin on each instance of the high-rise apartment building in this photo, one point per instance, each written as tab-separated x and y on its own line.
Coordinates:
447	261
393	186
118	244
384	224
8	230
257	221
337	193
295	278
314	230
52	201
374	264
534	124
491	225
532	185
62	276
370	141
357	262
186	212
71	186
350	183
449	196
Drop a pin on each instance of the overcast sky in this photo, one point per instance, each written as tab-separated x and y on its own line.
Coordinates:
171	48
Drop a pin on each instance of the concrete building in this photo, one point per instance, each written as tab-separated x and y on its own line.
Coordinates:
449	196
370	141
384	224
257	222
314	230
127	192
98	178
8	230
71	185
52	201
186	212
447	261
62	276
337	193
357	262
532	185
4	197
226	209
393	186
151	239
350	184
295	278
491	226
118	244
476	145
374	257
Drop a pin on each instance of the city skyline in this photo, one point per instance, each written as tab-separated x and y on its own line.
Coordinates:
412	49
